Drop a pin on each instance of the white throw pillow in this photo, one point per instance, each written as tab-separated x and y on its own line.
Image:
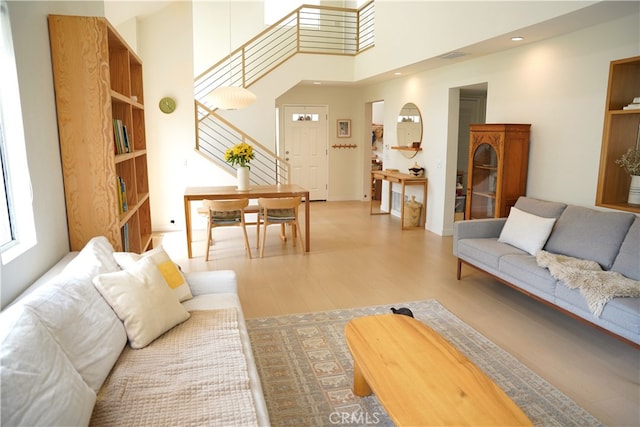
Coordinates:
96	257
171	273
142	300
40	386
526	231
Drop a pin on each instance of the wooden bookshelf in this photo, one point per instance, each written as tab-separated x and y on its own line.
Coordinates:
620	133
97	79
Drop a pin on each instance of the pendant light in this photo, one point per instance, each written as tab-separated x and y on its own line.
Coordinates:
231	97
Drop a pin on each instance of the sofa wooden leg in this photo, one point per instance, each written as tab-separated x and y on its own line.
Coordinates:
459	269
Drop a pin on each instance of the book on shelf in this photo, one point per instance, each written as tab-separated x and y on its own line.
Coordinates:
122	195
632	106
116	137
119	193
125	237
120	137
125	138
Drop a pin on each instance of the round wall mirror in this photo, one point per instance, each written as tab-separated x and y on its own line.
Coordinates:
409	129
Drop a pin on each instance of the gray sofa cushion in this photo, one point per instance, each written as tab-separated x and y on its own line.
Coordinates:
486	251
589	234
628	260
539	207
620	315
529	275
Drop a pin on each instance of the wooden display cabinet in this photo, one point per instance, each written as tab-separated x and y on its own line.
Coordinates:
498	164
98	79
620	133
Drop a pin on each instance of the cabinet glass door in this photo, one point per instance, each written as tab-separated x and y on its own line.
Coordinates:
483	188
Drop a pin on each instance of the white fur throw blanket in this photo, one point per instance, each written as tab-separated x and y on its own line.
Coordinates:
596	285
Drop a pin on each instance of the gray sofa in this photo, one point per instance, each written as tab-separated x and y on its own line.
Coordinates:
612	239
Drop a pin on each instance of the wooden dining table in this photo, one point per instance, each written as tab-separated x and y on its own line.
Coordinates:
192	194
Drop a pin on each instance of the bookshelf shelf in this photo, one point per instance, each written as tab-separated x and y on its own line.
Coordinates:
100	156
620	132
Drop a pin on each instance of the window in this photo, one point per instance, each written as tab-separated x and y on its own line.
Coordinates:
17	228
302	117
7	234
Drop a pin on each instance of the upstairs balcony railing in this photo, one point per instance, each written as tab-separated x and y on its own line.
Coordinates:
309	29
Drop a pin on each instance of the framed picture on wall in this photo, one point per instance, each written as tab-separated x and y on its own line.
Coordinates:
344	128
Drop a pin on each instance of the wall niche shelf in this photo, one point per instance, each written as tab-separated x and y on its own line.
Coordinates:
620	132
408	152
406	148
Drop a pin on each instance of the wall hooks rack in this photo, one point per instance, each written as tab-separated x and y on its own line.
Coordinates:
344	146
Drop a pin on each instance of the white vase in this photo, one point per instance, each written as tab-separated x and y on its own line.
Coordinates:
634	190
243	178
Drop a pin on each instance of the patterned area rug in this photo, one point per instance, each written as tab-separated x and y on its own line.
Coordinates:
306	369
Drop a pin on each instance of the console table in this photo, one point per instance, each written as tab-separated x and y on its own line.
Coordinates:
404	180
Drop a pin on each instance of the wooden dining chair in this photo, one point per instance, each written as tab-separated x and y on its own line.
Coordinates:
283	211
226	213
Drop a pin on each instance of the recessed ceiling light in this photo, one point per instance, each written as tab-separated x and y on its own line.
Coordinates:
397	73
517	38
317	83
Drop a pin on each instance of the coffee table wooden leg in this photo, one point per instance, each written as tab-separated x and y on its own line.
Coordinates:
360	386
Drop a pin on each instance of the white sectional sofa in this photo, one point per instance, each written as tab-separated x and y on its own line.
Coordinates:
68	357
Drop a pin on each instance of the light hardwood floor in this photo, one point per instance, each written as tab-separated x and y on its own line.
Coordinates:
361	260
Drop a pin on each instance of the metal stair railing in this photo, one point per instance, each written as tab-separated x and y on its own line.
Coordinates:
308	29
215	135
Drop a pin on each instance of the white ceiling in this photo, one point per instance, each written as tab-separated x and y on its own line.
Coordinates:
119	11
599	12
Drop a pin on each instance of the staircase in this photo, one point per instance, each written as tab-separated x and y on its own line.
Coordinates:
321	30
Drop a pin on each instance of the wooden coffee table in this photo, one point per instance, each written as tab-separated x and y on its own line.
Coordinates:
421	379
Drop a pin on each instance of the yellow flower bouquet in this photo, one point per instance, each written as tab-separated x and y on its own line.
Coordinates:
240	154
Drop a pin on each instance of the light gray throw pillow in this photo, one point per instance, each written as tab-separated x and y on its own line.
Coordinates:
628	260
589	234
539	207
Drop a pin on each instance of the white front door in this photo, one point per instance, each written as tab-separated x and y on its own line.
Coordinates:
305	148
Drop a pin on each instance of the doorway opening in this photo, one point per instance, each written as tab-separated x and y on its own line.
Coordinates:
377	148
472	110
468	105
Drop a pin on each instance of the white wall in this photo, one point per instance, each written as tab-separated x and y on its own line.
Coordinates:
428	29
429	90
345	165
557	85
176	44
168	71
33	61
212	33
